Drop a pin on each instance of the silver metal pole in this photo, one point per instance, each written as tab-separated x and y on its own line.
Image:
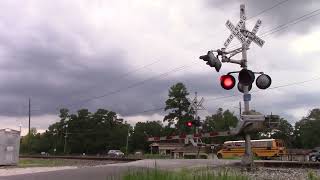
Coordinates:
127	143
65	140
247	158
196	111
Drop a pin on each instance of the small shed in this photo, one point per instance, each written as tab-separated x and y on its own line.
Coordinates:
9	146
296	155
191	152
165	148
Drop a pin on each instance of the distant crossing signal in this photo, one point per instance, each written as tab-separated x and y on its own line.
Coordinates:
196	123
189	123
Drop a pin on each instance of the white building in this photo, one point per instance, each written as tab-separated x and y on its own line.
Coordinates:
9	146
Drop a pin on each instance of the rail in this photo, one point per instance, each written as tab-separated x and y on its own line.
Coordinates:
96	158
287	164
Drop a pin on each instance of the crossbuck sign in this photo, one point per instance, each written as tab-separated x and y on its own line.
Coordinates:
243	35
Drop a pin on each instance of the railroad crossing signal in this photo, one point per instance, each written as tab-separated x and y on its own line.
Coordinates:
246	77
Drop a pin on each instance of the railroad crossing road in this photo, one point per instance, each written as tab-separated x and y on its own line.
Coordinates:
116	170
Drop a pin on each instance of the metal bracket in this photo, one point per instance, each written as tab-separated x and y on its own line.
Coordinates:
233	72
224	58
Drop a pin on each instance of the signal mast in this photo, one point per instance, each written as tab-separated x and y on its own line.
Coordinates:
245	76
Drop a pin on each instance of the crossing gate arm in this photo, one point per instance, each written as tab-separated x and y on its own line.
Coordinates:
191	136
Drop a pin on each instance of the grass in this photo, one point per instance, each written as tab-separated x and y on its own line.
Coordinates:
185	174
313	176
25	162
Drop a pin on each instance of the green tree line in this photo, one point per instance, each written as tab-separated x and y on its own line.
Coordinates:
97	132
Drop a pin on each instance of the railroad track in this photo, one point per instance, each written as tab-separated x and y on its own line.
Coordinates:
287	164
95	158
259	163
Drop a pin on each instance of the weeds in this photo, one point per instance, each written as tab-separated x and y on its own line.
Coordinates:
185	174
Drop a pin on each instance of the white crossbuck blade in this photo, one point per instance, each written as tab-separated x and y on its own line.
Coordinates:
244	36
235	31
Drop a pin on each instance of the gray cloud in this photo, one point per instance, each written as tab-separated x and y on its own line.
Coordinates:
62	60
283	13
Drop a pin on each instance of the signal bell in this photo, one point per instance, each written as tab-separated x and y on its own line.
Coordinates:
227	81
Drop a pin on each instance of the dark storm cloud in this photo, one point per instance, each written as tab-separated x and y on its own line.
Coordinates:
284	13
49	68
49	63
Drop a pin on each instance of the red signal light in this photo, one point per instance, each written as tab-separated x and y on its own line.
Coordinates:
189	124
227	81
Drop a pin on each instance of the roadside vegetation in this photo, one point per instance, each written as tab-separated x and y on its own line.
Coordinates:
313	176
26	162
156	174
94	133
224	173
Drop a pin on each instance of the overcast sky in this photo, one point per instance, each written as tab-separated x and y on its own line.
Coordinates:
62	53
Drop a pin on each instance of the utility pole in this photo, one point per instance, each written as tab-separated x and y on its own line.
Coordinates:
29	114
240	110
127	143
29	135
196	113
247	158
65	139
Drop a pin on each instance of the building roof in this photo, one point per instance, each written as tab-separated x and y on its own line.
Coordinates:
8	130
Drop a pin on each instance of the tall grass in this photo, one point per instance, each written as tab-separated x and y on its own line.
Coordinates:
156	174
313	176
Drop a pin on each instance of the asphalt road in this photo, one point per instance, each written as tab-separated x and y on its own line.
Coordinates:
114	171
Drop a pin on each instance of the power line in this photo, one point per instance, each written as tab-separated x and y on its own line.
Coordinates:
271	88
131	85
165	74
271	31
285	25
235	95
123	75
268	9
293	22
259	13
183	67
